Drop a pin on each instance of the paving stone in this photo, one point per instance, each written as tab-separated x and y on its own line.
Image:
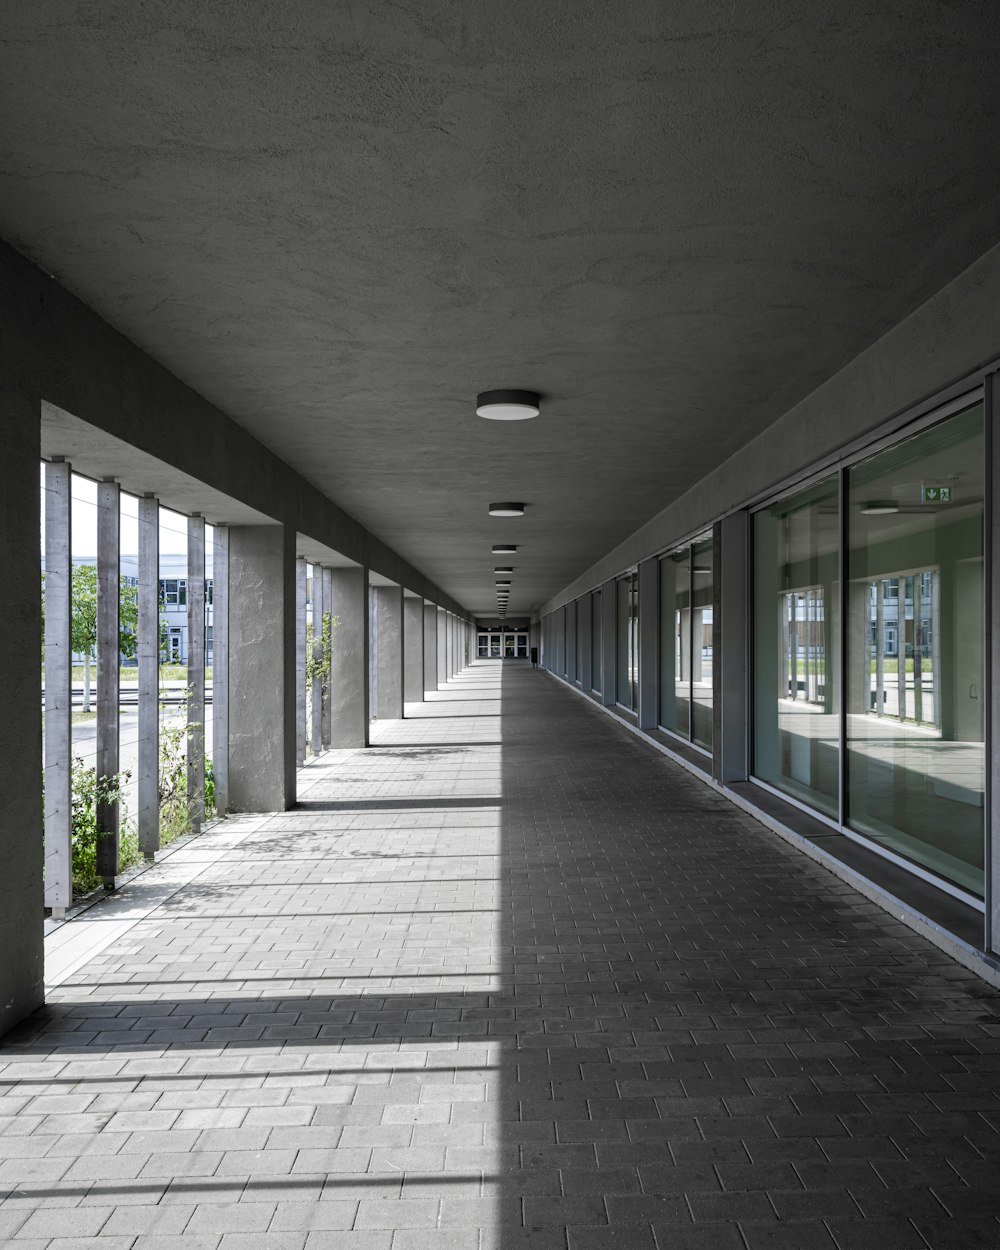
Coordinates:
508	980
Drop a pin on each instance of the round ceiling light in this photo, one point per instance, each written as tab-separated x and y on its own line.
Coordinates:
506	509
503	569
504	549
503	583
507	405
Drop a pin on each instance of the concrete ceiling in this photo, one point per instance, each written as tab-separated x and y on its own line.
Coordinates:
340	221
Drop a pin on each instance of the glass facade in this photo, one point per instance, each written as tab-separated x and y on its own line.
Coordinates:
915	726
687	590
627	640
595	641
796	738
867	649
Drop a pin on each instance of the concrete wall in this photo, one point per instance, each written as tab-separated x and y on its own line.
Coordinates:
947	338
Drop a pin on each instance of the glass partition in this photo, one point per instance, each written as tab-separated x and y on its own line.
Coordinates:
627	667
796	740
687	592
915	677
595	641
702	600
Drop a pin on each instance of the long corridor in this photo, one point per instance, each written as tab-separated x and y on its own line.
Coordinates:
509	978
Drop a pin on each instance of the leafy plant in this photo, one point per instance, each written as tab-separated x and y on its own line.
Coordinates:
87	793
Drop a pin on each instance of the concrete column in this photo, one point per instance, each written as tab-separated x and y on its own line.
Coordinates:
196	671
148	815
730	644
571	641
261	668
649	644
388	658
316	686
349	712
609	624
300	661
430	647
413	650
21	850
326	696
442	647
220	667
58	687
108	662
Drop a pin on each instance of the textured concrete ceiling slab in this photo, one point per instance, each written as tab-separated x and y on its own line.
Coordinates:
340	221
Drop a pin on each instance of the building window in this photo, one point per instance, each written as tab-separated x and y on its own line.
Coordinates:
627	655
596	655
173	592
687	591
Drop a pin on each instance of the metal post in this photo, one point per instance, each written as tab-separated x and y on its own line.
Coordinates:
58	690
148	816
196	671
300	661
108	661
220	668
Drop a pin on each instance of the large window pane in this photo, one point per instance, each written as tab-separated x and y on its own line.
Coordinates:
627	616
682	641
702	582
667	693
915	718
796	739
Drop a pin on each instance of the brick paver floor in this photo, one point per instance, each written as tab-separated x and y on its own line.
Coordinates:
508	979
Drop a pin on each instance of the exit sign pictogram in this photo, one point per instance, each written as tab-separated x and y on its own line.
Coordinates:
935	494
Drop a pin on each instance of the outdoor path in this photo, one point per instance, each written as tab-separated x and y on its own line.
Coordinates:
510	978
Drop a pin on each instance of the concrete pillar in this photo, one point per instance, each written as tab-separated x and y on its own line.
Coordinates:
430	647
349	712
58	689
326	697
571	641
413	650
300	660
196	671
649	644
609	623
148	780
261	668
388	658
108	662
442	647
220	667
316	685
730	644
21	849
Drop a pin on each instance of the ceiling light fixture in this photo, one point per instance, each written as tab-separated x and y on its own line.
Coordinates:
504	549
506	509
503	569
879	507
507	405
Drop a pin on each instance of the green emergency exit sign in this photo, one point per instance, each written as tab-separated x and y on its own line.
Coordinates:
935	494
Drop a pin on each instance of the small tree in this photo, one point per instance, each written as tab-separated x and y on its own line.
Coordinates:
83	620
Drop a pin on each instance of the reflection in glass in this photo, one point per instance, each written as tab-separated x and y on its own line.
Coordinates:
595	642
796	651
627	590
702	595
682	641
668	649
578	609
915	718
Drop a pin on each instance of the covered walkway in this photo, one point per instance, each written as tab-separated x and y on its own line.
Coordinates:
509	978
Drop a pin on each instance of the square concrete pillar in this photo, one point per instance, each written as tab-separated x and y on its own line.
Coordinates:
21	724
413	650
388	658
261	668
108	660
58	690
571	673
430	647
731	643
349	685
442	647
